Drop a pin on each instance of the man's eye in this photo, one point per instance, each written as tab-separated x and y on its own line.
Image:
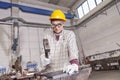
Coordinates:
59	24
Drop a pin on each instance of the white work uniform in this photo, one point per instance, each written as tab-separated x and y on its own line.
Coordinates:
61	51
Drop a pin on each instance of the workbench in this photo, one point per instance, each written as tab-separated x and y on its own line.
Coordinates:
83	73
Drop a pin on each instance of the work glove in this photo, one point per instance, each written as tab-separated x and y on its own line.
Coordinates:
71	69
44	61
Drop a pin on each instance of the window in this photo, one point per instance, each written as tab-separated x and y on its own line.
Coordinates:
91	4
98	1
80	12
85	7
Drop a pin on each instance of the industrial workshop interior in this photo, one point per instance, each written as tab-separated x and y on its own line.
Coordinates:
59	39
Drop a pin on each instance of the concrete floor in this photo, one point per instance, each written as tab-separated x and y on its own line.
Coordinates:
105	75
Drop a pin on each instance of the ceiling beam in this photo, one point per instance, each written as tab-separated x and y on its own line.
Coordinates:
46	5
54	1
77	4
73	3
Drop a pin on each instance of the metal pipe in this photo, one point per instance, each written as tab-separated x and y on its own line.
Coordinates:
6	23
24	23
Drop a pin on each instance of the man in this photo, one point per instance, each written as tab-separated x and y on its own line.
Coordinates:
63	48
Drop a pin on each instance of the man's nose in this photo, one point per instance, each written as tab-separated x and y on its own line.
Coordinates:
57	27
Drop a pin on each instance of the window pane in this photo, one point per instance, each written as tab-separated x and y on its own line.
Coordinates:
98	1
80	12
85	7
91	4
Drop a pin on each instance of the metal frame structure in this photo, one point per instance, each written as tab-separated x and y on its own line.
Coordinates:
23	23
6	5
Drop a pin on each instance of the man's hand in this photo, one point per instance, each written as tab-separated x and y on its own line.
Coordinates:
71	69
44	61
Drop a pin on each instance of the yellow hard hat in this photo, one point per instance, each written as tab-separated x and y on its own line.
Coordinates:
58	14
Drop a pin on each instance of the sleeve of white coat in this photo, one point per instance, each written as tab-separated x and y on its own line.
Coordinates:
72	46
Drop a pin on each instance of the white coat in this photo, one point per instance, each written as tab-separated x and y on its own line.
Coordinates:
63	50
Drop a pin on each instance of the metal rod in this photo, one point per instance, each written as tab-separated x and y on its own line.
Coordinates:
39	46
24	23
6	23
117	7
30	55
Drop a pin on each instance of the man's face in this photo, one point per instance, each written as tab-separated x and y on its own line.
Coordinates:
57	26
